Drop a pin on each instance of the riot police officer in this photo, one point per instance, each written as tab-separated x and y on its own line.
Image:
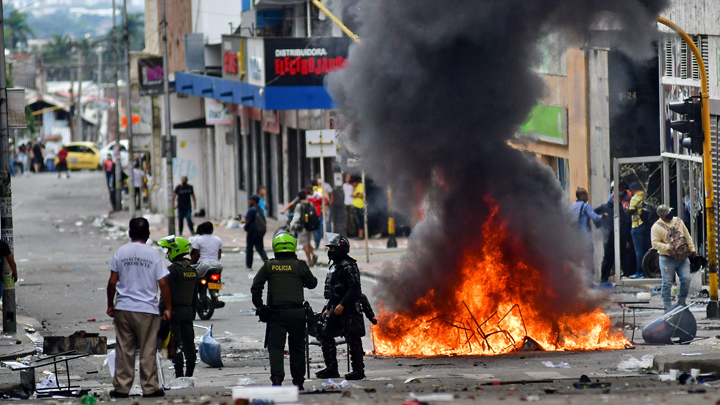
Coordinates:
284	314
342	315
182	281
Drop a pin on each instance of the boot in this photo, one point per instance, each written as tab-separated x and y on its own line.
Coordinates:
179	372
190	369
355	375
328	373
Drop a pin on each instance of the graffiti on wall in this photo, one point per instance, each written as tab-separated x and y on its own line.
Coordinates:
185	167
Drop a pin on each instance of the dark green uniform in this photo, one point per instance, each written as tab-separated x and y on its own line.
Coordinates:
182	281
286	276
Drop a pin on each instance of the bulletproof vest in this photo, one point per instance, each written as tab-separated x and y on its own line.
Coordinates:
184	280
337	281
285	286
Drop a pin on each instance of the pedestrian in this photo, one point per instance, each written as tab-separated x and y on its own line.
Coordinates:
583	213
359	205
316	197
139	184
6	257
136	272
255	226
182	283
108	168
350	222
22	157
183	194
62	162
608	261
326	190
38	159
640	231
261	203
50	160
341	316
674	245
304	236
206	248
284	314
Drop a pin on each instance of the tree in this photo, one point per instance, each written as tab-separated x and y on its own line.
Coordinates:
17	30
56	57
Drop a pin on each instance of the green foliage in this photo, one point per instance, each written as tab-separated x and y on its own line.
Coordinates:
17	30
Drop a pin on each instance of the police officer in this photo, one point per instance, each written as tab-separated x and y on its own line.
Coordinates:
342	315
286	276
182	281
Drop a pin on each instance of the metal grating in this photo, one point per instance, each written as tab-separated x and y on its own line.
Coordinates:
701	42
715	142
683	60
669	59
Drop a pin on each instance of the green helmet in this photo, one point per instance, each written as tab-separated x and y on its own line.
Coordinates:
175	245
284	242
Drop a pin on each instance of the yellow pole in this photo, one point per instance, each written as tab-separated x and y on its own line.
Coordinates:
336	20
712	310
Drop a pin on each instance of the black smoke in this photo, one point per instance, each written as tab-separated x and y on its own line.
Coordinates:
429	100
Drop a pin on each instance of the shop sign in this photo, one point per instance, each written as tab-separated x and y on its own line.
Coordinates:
232	57
303	61
150	76
216	114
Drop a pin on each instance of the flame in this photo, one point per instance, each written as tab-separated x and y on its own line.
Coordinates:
494	310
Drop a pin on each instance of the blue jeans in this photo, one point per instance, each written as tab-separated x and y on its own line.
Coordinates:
641	243
185	213
669	267
318	233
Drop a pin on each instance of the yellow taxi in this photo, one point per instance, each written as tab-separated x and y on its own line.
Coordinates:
82	155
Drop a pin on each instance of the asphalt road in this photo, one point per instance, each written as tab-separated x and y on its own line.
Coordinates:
62	252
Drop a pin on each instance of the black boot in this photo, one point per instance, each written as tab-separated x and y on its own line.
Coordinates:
179	372
355	375
190	369
328	373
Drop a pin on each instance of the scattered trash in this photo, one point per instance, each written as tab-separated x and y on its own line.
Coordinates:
692	354
370	389
436	397
78	223
91	320
390	386
263	395
550	364
632	364
550	390
49	382
105	327
88	400
531	398
586	383
14	365
381	379
687	379
110	362
244	381
678	325
182	382
643	296
79	266
412	380
210	350
332	385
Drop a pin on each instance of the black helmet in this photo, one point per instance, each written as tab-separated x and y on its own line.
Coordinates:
339	242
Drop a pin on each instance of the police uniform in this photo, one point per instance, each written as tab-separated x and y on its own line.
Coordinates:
182	281
342	286
286	277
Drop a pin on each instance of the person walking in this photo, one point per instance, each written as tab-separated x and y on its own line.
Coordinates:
304	236
136	272
340	316
139	184
640	231
359	206
184	195
108	168
674	245
62	162
182	282
284	314
38	159
350	222
255	226
583	213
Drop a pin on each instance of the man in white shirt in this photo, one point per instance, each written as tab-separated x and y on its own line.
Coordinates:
139	184
206	249
136	271
350	224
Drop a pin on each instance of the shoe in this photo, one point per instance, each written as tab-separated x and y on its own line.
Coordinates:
327	373
219	304
355	375
315	259
637	275
156	394
114	394
249	269
300	387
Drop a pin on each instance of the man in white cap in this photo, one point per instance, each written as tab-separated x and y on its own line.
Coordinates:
674	244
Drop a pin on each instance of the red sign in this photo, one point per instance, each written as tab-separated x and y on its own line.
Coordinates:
230	63
307	66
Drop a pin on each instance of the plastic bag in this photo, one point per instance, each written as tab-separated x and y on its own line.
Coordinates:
110	362
210	350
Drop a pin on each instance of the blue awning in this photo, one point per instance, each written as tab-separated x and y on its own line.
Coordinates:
265	98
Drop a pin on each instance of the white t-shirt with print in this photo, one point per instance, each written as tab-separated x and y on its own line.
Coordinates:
348	191
208	245
138	176
139	268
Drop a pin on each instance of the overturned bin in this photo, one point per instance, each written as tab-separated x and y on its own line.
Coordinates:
80	342
678	325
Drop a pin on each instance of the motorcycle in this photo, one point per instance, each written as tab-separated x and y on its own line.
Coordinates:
208	291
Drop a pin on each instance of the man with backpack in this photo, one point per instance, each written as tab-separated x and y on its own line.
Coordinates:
255	226
640	231
305	221
674	245
583	213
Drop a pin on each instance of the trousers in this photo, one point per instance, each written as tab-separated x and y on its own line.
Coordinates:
181	326
288	323
329	351
133	329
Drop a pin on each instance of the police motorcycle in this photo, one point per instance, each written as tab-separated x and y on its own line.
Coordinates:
209	286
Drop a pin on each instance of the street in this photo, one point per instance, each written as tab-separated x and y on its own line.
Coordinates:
62	250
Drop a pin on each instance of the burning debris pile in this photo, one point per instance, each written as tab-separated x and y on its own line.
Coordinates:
429	101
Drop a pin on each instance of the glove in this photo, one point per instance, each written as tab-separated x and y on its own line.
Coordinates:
263	313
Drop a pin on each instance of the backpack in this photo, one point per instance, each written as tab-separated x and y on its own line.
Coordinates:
578	224
260	223
679	248
310	219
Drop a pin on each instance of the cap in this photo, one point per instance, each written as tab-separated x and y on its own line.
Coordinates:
663	210
254	197
635	186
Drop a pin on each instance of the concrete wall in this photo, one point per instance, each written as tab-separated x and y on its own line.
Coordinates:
213	18
695	16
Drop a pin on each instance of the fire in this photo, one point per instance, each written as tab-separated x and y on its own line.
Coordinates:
494	310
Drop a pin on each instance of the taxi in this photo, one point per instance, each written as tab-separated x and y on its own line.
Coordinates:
82	155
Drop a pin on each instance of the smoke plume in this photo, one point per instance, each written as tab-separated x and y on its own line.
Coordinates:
428	101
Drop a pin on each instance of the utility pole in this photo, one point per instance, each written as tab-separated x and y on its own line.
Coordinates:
116	149
78	105
6	222
128	131
72	119
168	130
